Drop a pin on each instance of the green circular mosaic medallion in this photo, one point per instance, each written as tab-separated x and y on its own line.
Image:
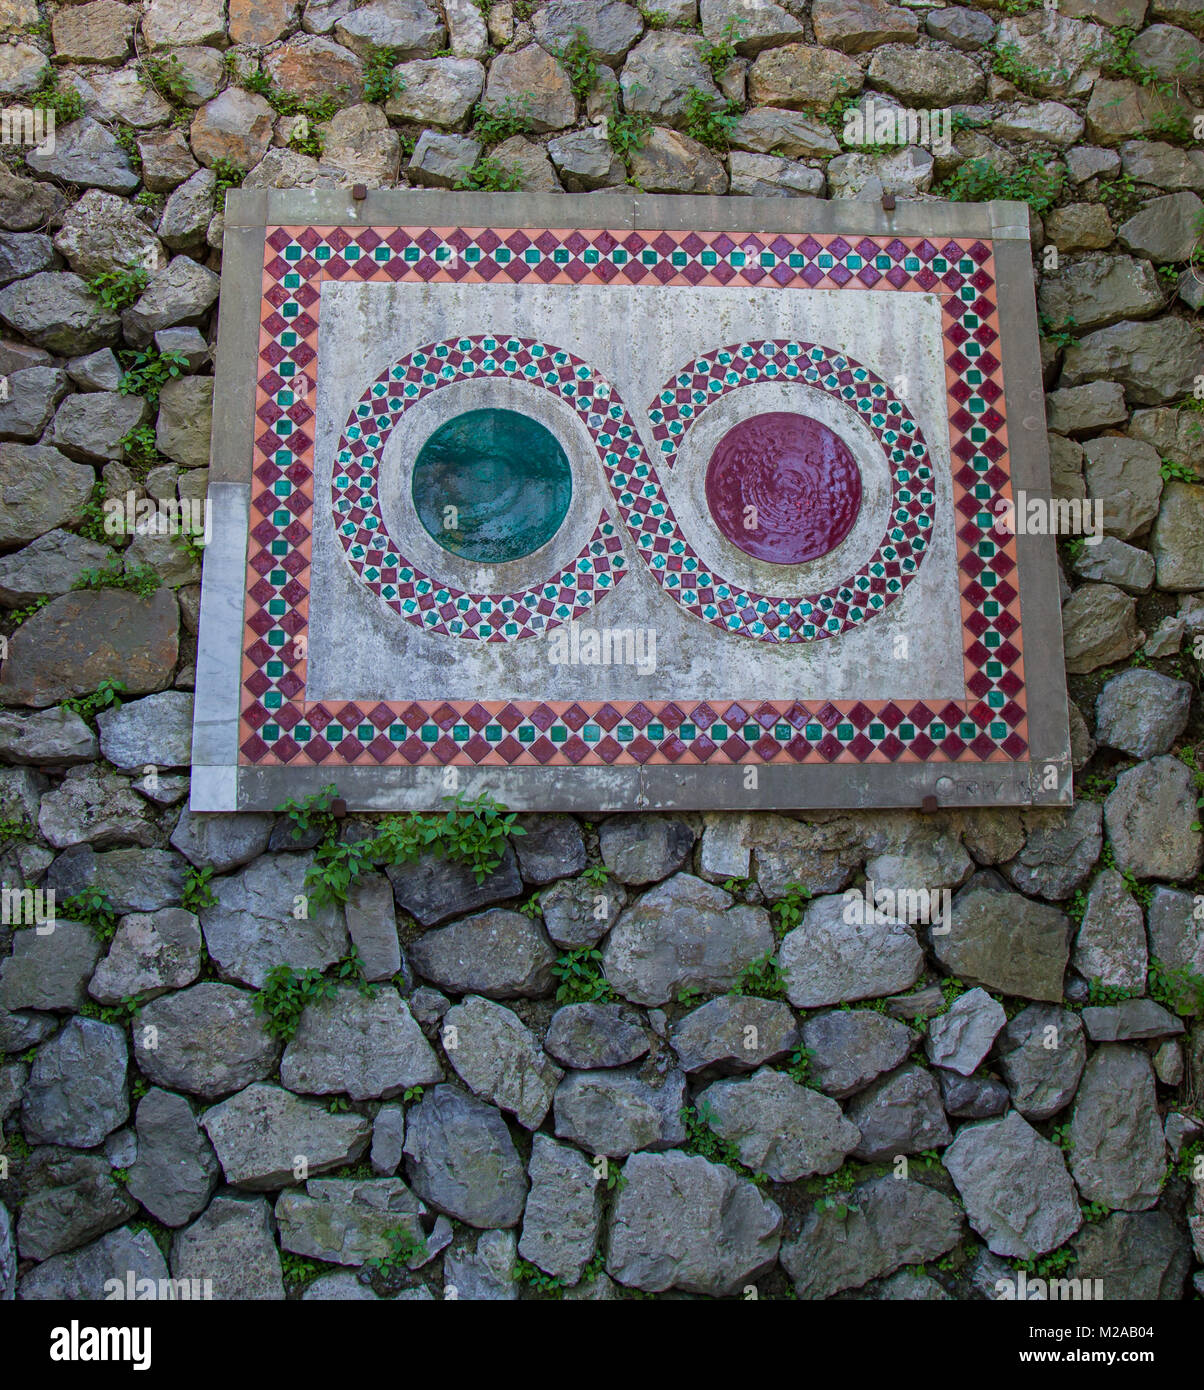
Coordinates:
492	485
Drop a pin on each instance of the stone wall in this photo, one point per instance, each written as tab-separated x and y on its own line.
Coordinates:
657	1053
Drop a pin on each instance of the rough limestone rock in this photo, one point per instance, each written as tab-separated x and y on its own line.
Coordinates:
499	1059
155	730
1006	942
1111	943
1141	712
70	1198
1141	1255
231	1245
485	1273
94	806
252	927
850	1048
372	926
87	1274
618	1112
56	736
461	1159
1176	934
733	1034
960	1039
347	1221
551	847
40	490
86	153
1017	1191
683	1222
1059	851
432	889
1119	1154
388	1137
659	74
877	1227
1129	1021
366	1046
589	1036
1149	818
563	1214
76	1093
644	849
259	1133
801	77
900	1113
579	913
1175	540
150	953
50	970
672	162
857	26
778	1127
683	934
829	960
176	1170
1099	626
1154	361
221	842
1094	293
83	638
207	1040
499	953
972	1097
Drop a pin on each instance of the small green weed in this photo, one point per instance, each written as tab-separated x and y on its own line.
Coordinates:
118	289
581	979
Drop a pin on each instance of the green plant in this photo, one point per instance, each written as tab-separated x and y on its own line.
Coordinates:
834	1191
148	371
95	909
404	1248
1048	1266
490	175
1094	1211
107	695
142	580
148	199
471	832
1060	1135
120	1013
297	1271
702	1139
510	117
229	175
166	75
581	979
14	828
196	893
790	907
17	616
534	1277
118	289
312	812
65	102
337	865
762	977
1008	62
1177	988
709	124
580	63
285	994
531	908
411	1093
627	132
1190	1163
798	1068
718	53
1062	335
1173	471
141	450
381	80
1077	906
1100	993
1035	182
596	875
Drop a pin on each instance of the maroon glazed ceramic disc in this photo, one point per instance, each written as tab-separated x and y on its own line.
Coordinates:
784	488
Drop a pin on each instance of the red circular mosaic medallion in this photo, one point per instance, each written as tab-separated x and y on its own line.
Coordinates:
783	488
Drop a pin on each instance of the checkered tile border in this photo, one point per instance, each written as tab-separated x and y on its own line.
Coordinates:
280	727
